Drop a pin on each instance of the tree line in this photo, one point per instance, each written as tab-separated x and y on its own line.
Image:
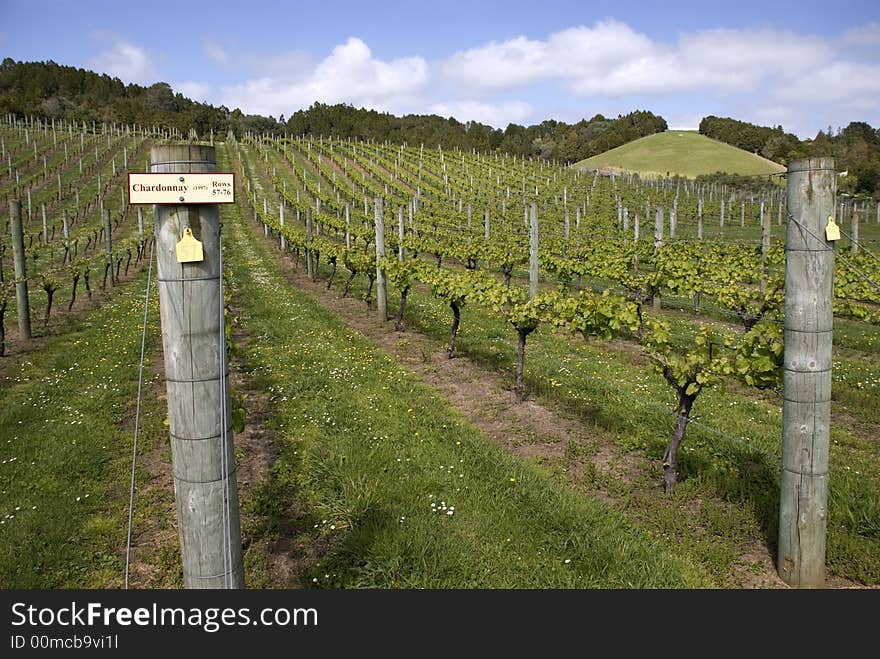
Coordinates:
53	91
50	90
856	148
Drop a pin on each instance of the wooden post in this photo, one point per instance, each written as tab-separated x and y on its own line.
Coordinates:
202	451
533	250
854	233
401	253
658	243
141	221
45	225
806	407
281	224
347	226
23	309
762	222
310	264
658	229
108	243
381	290
765	236
486	224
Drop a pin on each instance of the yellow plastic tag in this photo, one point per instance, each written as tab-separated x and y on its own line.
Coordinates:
189	250
832	231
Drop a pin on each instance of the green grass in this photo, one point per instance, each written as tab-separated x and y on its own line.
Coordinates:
683	153
66	428
617	395
620	397
382	460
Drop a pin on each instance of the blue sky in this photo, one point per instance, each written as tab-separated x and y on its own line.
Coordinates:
804	65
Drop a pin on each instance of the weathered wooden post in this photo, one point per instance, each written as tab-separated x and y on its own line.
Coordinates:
533	250
806	407
401	251
22	308
108	243
197	377
310	263
347	226
700	218
658	243
381	289
658	229
283	239
765	244
854	233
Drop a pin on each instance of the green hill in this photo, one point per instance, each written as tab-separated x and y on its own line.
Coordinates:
685	153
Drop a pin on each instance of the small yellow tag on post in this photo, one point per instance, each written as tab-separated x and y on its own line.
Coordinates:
189	250
832	231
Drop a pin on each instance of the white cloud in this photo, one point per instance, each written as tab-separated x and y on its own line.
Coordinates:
864	35
350	74
215	52
611	59
763	75
499	65
196	91
289	65
126	61
850	86
756	73
578	52
496	115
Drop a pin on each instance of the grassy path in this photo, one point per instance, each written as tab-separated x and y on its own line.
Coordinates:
66	428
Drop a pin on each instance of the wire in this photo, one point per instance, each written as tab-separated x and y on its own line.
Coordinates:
224	435
838	256
137	416
860	244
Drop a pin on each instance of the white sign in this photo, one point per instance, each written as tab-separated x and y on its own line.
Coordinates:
181	188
